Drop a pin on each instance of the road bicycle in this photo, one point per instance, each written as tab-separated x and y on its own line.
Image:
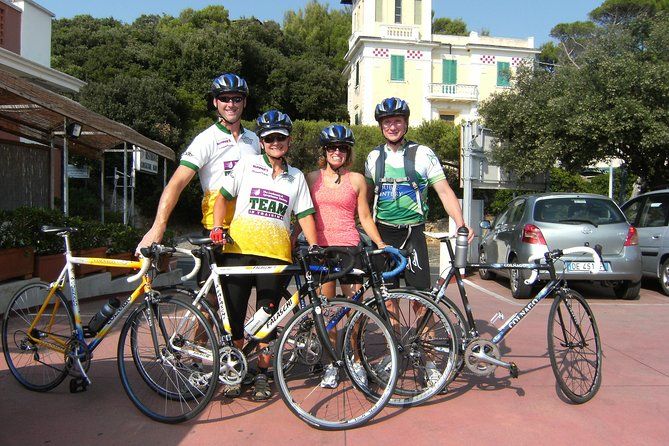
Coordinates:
574	346
304	348
44	340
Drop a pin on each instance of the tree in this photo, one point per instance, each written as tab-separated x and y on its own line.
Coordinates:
451	27
614	104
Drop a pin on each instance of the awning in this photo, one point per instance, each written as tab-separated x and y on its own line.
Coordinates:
33	112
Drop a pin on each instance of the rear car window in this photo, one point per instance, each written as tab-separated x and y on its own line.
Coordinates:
577	210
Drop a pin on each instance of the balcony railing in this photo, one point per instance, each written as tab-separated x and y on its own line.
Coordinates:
454	92
400	32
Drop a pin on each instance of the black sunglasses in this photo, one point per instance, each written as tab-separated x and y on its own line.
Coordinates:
342	149
274	138
235	99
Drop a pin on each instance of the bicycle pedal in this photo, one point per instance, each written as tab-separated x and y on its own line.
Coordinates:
78	385
513	370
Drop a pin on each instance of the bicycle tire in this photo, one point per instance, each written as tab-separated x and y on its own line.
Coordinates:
460	323
204	306
574	346
37	367
300	359
423	356
176	384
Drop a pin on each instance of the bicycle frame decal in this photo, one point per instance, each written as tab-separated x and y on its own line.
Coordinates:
277	317
513	320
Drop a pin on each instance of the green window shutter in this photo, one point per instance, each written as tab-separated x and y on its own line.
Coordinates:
396	68
503	74
450	72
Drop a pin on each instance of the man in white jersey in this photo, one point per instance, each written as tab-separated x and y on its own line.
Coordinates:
212	155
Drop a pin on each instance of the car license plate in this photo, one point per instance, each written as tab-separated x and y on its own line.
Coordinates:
587	266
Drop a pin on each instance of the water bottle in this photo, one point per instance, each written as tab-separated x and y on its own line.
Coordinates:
461	247
102	316
259	318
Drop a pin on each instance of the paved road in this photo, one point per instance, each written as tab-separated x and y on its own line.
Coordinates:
631	408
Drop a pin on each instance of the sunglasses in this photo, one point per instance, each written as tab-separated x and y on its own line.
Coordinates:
274	138
235	99
341	149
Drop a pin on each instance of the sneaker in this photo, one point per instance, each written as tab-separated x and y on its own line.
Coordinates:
359	374
330	377
432	375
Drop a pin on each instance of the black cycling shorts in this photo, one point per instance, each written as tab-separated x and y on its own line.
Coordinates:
412	238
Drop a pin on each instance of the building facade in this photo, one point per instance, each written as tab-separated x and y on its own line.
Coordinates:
392	52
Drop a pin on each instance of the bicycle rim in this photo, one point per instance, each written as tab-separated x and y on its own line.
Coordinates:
427	343
301	364
171	380
37	359
574	346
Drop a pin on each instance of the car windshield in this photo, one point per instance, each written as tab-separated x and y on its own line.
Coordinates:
575	210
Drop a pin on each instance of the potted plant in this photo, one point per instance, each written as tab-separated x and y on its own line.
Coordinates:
90	241
16	258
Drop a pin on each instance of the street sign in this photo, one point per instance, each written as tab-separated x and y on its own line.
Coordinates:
78	172
145	161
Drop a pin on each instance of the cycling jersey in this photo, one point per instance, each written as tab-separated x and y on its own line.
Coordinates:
397	200
212	154
261	224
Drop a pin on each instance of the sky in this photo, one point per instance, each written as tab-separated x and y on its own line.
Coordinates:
503	18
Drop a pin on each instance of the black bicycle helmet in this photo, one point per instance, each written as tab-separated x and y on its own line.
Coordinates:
273	121
229	83
336	134
391	107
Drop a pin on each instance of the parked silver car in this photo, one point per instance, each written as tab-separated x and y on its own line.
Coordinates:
649	213
534	224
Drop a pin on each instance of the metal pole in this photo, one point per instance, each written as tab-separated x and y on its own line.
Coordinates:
132	189
467	172
52	174
611	180
125	183
66	195
164	172
102	189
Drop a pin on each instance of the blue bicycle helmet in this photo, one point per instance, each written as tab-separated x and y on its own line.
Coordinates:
229	83
273	121
391	107
336	134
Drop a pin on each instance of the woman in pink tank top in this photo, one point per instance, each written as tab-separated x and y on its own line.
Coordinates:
338	196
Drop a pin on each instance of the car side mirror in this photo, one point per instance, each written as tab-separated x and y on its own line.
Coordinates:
485	224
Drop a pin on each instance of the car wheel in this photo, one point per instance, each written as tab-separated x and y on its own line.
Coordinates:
664	276
484	274
627	290
519	289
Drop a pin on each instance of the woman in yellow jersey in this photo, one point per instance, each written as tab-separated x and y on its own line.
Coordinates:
268	191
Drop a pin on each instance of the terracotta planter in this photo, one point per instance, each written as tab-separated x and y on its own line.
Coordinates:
82	270
47	267
116	272
16	263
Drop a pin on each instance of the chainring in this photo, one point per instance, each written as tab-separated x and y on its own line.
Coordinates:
477	365
308	347
77	349
233	365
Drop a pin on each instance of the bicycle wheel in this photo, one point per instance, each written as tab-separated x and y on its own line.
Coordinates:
36	357
188	295
427	342
328	394
168	360
574	346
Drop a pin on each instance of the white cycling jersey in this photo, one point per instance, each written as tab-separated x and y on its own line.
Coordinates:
212	154
261	225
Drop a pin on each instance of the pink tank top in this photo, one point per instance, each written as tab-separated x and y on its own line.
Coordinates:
335	212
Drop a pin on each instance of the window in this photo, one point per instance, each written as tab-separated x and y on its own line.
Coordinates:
417	11
631	210
516	212
379	11
655	211
356	119
398	11
357	73
396	68
447	118
503	74
450	72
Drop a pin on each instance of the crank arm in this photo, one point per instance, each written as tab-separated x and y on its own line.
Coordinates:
485	358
